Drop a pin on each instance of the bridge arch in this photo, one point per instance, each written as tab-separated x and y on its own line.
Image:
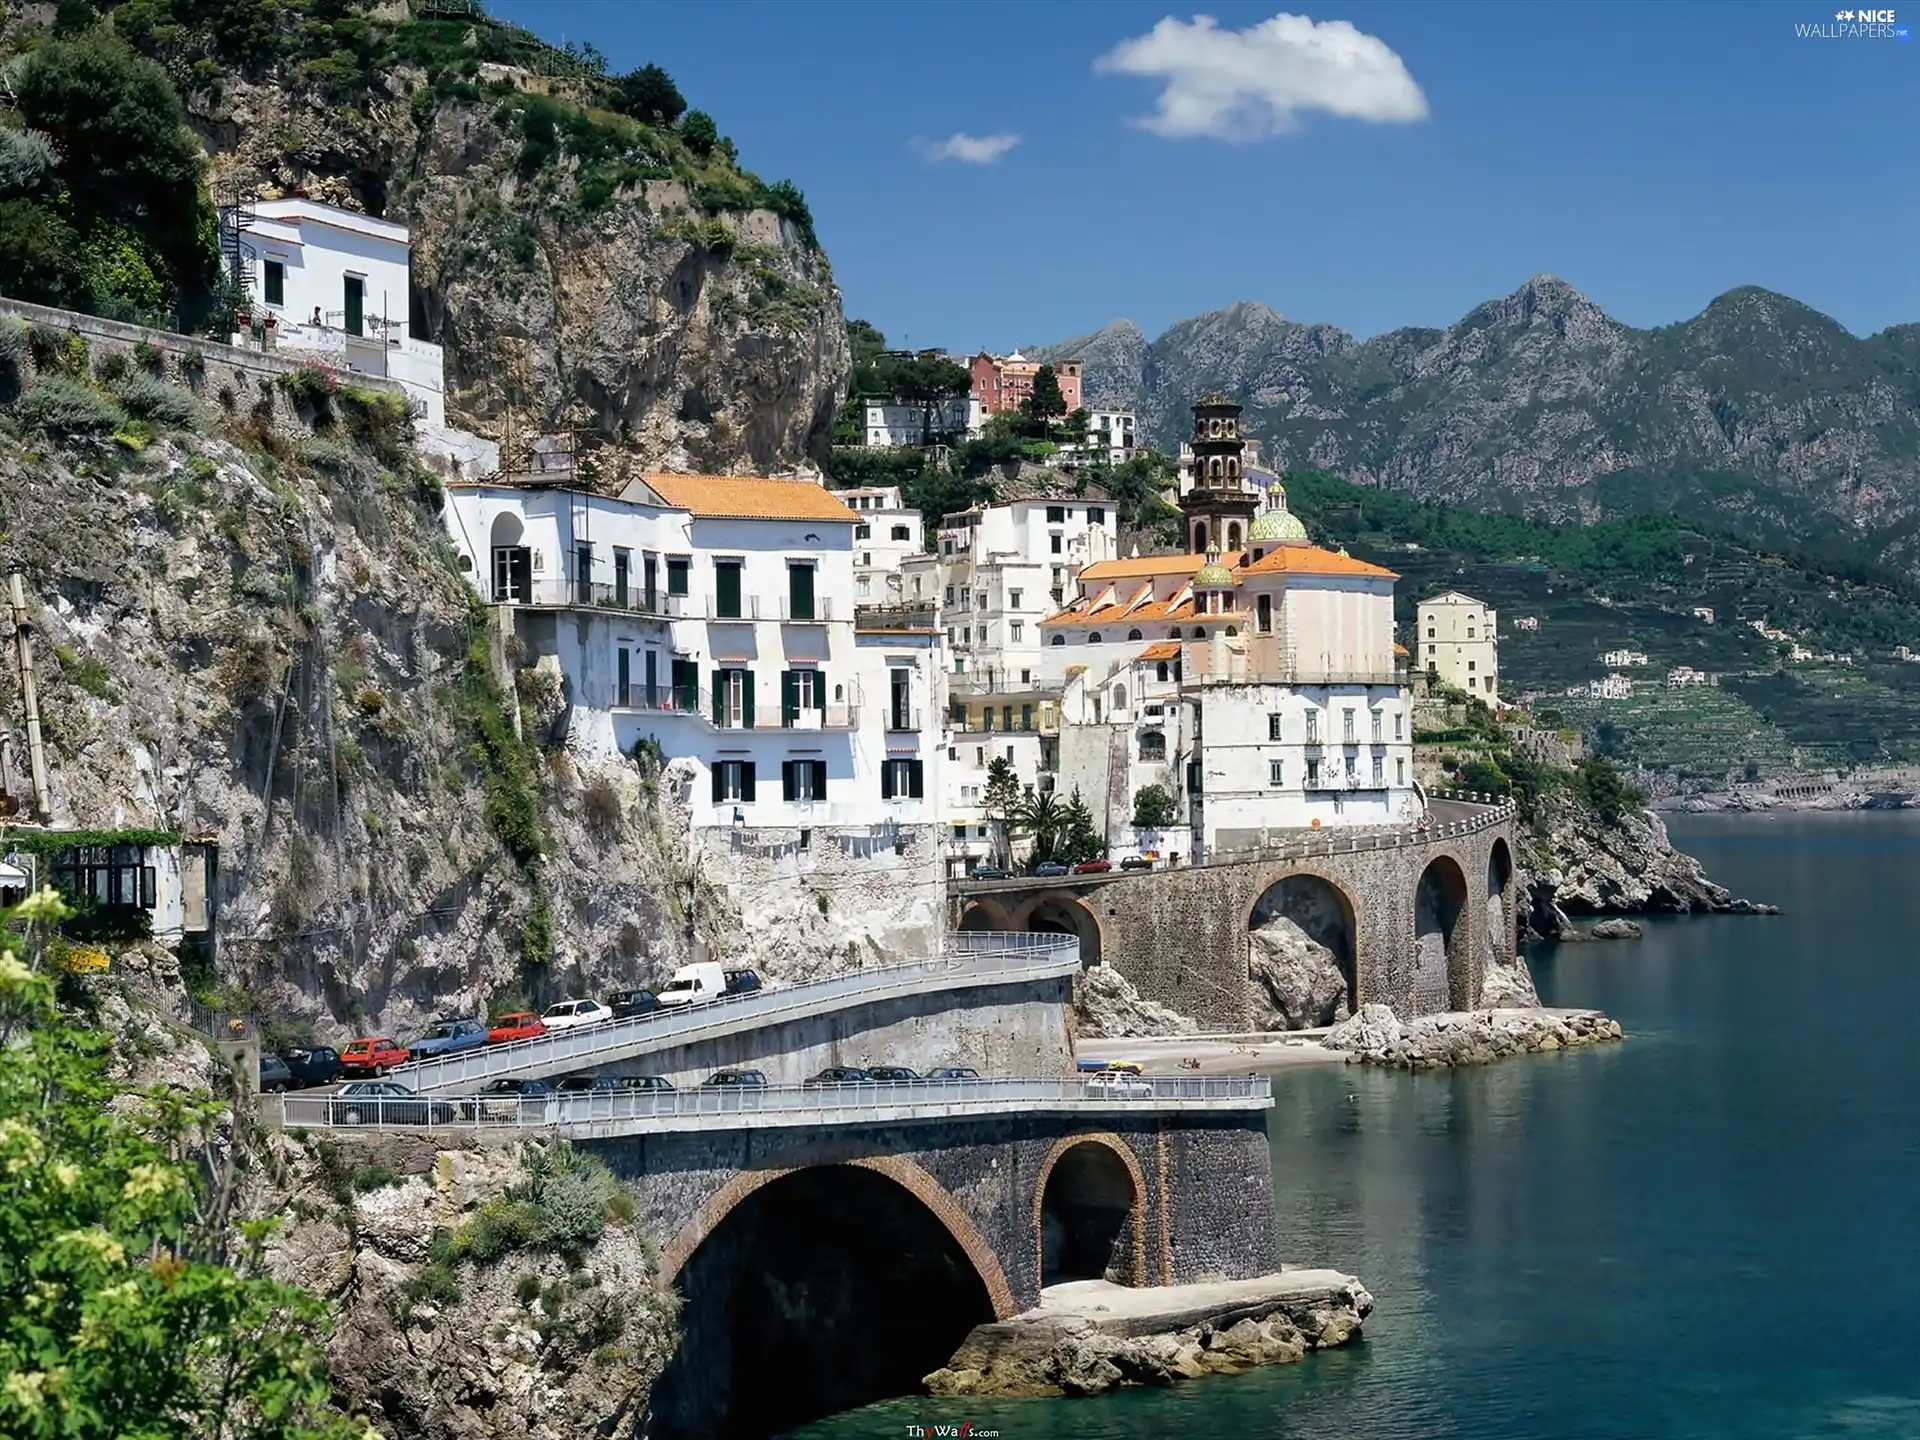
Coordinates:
1323	909
816	1287
1443	963
1500	903
1089	1205
1058	913
983	912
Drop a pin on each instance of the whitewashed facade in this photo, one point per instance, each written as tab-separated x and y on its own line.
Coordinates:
893	423
887	534
1456	641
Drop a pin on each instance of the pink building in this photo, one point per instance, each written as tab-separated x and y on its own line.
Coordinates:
1000	383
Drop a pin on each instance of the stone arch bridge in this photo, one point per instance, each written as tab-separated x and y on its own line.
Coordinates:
1413	915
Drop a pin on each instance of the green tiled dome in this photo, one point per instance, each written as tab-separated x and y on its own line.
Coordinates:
1277	526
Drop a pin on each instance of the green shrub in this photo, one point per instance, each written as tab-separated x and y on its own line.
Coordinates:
112	367
526	1289
332	458
61	407
500	1226
14	335
86	673
149	356
435	1285
380	421
375	1176
313	386
151	398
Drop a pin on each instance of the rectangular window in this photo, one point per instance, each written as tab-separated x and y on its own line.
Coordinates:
860	587
863	532
1016	630
726	589
986	718
1056	514
650	583
1396	724
1013	599
1400	772
622	576
1346	726
1469	632
356	302
1273	726
1056	544
949	594
653	679
583	573
1353	767
686	685
1313	727
733	698
679	568
1377	734
1006	717
1026	717
800	591
1276	772
901	532
966	597
900	700
902	780
1026	677
801	692
1313	771
1379	770
1263	615
733	780
623	662
1096	515
1430	632
276	281
1469	667
803	780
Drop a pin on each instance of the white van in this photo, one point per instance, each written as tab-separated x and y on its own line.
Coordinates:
705	981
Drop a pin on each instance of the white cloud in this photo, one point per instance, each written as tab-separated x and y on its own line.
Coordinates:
967	149
1248	84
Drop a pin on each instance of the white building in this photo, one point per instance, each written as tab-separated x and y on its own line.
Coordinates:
887	535
890	423
335	285
1682	676
1113	432
715	617
1261	684
1527	622
1703	612
1455	641
1611	687
1623	659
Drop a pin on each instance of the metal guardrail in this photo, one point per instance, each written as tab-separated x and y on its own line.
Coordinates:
983	958
755	1107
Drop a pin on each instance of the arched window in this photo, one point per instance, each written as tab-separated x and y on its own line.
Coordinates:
1059	639
1094	638
1160	672
1174	633
1200	538
1233	629
1233	537
1135	635
1199	633
1153	745
1119	697
1213	467
1233	472
1213	428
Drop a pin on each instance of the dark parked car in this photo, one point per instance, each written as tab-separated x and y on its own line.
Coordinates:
736	1077
742	982
275	1074
1093	867
449	1037
644	1082
988	872
841	1075
1050	868
319	1065
509	1100
385	1102
583	1084
628	1003
952	1072
1137	862
891	1074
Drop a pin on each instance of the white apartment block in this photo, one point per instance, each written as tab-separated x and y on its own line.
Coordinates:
1621	659
1455	640
886	535
1113	432
715	616
335	285
892	423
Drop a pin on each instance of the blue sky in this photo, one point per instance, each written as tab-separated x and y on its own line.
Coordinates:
1394	170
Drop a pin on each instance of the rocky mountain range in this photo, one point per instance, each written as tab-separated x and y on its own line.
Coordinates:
1759	413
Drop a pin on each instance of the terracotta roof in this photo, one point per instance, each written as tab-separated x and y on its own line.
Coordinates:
1162	650
1151	565
1312	560
1399	649
744	497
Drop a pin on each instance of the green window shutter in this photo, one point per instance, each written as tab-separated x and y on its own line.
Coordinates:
788	790
719	782
746	780
789	699
726	590
746	698
820	692
886	780
819	779
800	591
719	697
653	678
915	781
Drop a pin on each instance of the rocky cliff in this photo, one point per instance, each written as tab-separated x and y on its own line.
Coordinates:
1759	412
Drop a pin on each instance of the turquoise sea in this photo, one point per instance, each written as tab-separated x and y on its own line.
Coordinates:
1710	1231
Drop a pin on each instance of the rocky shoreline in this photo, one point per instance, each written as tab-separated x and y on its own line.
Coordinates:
1376	1036
1091	1337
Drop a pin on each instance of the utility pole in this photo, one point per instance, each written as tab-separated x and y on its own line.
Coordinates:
30	696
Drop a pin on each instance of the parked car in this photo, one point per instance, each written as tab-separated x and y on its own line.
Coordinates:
987	872
520	1025
275	1074
644	1082
1117	1085
840	1075
1137	862
952	1072
372	1055
570	1014
586	1084
628	1003
449	1037
742	982
890	1074
383	1102
1093	867
510	1100
736	1077
1049	868
704	981
316	1065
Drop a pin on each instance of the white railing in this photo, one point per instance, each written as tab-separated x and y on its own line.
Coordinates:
730	1107
983	958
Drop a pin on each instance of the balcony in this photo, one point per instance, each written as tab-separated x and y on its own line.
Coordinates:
559	594
817	611
902	719
746	609
699	706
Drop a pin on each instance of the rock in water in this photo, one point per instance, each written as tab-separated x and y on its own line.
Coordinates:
1297	982
1615	929
1376	1027
1106	1004
1507	987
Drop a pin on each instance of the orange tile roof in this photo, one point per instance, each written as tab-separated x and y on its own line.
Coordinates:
1312	560
1151	565
747	497
1161	650
1399	649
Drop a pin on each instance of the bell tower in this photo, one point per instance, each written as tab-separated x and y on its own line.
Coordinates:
1218	503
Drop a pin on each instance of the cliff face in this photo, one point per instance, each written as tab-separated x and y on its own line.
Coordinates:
565	295
1759	412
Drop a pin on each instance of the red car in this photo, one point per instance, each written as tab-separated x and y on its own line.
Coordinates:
373	1055
521	1025
1093	867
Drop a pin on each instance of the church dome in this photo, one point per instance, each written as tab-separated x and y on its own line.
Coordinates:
1277	525
1213	575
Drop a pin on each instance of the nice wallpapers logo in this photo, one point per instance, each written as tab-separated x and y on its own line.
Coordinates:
968	1431
1856	25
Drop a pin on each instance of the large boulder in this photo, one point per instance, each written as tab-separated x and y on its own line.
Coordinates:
1106	1005
1298	984
1508	987
1376	1027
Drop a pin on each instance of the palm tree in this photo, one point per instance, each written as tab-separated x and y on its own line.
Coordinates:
1043	820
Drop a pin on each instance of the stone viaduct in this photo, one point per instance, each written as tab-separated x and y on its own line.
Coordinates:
1413	915
895	1240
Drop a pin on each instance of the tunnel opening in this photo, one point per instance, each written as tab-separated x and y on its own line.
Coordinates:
825	1289
981	915
1303	987
1440	963
1499	905
1086	1217
1067	917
